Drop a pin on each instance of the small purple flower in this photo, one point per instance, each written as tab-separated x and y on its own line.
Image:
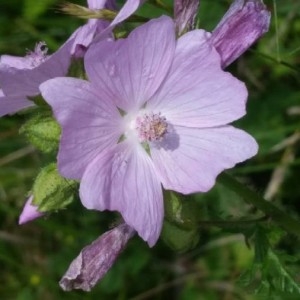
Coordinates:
243	24
155	112
95	260
30	212
20	77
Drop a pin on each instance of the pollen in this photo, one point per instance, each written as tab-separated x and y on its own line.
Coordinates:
151	127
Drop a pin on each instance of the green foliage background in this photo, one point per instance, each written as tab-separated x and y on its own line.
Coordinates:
33	257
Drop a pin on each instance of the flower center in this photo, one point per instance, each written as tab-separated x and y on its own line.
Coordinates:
38	56
151	127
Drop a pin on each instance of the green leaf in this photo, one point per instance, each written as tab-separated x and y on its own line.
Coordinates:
261	245
52	191
269	276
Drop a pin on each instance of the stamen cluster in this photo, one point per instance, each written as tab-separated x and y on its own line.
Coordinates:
151	127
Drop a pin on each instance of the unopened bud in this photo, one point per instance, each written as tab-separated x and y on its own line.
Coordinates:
94	261
244	23
30	212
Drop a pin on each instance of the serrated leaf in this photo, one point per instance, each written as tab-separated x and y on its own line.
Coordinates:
282	279
268	276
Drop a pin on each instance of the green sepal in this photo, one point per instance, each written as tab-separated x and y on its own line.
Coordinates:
181	225
178	239
184	212
51	191
42	131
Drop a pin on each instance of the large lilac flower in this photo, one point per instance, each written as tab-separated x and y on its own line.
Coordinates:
155	112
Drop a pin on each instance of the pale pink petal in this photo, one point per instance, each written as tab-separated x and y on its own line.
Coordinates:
90	123
84	36
26	82
197	92
123	179
190	159
131	70
12	104
17	62
129	7
96	4
30	212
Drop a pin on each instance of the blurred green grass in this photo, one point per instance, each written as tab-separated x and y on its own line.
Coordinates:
34	257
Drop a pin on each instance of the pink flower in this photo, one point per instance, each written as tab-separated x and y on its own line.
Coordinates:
30	212
154	112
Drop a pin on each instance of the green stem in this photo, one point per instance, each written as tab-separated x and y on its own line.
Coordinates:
278	61
231	223
285	221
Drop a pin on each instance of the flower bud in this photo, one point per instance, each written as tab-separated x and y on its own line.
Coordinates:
185	12
244	23
94	261
29	212
52	191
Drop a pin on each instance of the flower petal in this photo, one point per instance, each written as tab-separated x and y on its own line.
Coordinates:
84	36
26	82
244	23
131	70
193	163
89	123
129	7
123	179
30	212
96	4
17	62
12	104
197	92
